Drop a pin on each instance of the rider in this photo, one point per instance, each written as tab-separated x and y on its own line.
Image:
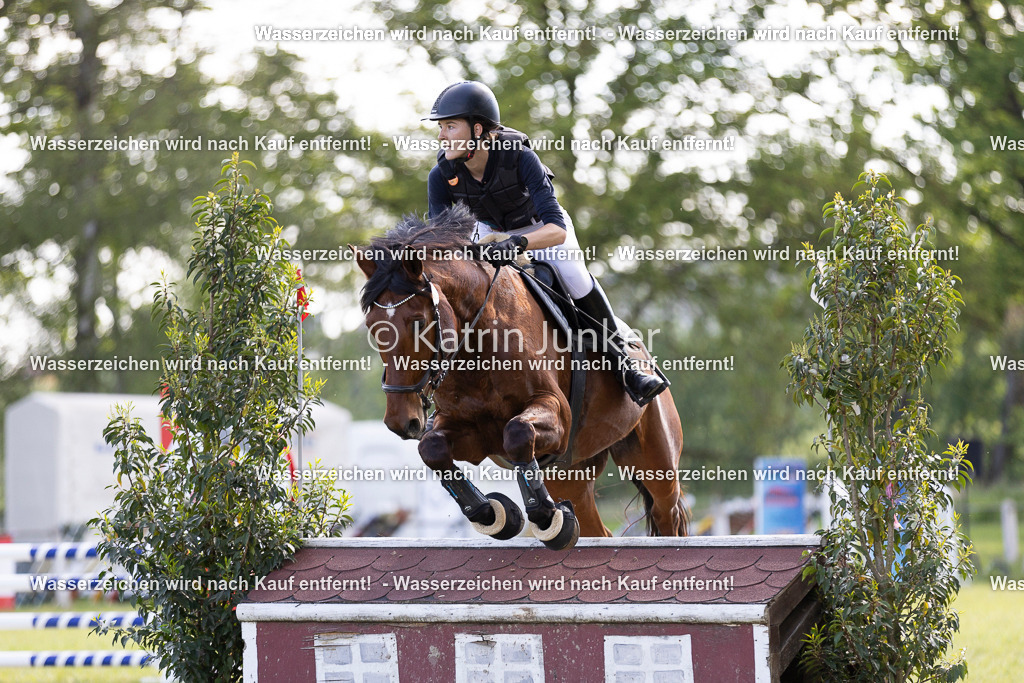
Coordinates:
493	171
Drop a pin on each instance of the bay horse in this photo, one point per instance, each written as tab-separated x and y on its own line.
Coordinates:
456	331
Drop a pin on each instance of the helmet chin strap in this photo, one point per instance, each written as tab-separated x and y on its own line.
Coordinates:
476	142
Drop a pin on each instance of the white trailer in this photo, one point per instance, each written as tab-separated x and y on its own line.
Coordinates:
58	467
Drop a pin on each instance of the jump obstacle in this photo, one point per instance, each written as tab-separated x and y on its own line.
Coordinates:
23	621
725	609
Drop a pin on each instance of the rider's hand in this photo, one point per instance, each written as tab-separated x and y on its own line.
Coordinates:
505	252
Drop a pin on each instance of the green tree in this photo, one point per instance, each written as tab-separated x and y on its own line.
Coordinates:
78	221
889	568
85	232
981	204
189	523
963	161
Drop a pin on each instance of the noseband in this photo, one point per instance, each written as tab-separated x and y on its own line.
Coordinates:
431	376
438	368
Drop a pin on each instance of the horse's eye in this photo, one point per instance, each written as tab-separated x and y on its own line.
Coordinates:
417	325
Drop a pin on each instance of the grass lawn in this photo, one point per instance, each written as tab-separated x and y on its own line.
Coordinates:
992	630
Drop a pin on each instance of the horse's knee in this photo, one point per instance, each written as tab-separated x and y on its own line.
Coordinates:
434	451
519	438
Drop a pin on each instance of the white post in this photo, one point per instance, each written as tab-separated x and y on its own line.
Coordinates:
720	517
61	598
1008	515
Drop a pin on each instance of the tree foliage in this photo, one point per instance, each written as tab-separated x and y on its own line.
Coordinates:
190	522
889	568
84	221
963	163
80	222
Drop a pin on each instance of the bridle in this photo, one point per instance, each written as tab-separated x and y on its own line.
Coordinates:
439	365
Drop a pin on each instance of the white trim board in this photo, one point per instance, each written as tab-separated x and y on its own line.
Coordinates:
250	662
527	613
775	540
762	655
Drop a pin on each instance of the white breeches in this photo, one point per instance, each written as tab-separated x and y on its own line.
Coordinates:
567	258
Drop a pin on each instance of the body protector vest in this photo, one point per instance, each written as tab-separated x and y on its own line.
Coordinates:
504	201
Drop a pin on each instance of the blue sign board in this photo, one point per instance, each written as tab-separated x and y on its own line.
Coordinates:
780	490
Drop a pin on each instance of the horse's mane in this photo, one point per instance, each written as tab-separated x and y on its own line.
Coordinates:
449	231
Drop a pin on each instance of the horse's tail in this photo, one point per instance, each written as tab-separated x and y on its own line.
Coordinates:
648	499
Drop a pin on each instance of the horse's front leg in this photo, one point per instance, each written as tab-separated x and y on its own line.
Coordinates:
541	428
494	514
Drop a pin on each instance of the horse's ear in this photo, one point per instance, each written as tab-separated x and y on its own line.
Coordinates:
413	267
365	263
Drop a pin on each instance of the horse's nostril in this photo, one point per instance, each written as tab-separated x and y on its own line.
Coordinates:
414	427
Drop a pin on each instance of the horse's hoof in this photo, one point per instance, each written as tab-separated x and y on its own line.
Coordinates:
508	518
564	530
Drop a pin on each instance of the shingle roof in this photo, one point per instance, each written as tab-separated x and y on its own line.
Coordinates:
625	570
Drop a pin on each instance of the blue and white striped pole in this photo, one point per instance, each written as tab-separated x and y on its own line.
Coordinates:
83	658
23	621
28	552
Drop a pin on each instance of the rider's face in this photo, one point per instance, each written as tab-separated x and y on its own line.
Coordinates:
454	135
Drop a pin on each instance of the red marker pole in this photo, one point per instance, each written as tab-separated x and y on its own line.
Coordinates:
298	433
166	426
302	301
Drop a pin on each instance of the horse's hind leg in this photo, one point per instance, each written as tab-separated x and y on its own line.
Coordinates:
653	449
581	492
667	511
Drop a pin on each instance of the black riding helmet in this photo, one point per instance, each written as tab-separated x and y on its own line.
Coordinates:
465	100
468	100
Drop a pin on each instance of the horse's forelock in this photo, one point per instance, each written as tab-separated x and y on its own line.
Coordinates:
452	229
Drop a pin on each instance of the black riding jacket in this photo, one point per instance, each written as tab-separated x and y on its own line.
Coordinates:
516	189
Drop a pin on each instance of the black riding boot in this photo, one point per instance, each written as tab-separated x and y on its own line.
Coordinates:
640	386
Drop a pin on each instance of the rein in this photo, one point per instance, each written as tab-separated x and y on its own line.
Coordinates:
439	366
